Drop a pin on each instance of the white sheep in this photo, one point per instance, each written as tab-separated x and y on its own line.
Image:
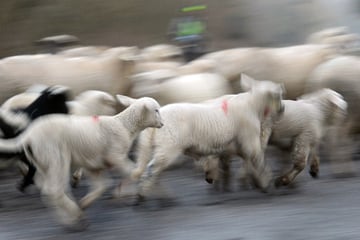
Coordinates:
288	65
166	87
96	51
91	102
299	131
87	103
161	52
107	72
146	66
341	74
304	124
96	144
89	51
320	36
208	128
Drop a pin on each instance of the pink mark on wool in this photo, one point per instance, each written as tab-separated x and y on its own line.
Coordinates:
224	106
95	118
266	111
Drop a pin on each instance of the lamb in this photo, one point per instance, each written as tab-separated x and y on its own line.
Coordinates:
300	131
288	65
337	36
318	37
107	72
202	129
49	101
160	52
12	123
89	51
93	102
305	123
89	103
166	87
54	143
341	75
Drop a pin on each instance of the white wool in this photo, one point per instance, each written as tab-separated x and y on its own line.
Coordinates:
288	65
54	142
209	128
187	88
160	52
93	102
301	130
341	74
108	73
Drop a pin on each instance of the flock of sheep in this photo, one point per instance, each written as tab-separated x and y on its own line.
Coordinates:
105	102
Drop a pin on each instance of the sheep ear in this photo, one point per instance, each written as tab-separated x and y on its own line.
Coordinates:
283	89
246	82
108	100
125	100
59	89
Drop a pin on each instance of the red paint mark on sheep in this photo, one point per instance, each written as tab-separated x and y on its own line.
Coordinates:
95	118
224	106
266	111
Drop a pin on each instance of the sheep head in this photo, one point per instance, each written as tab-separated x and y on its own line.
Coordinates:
146	108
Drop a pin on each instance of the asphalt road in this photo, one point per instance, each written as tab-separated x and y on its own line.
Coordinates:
319	209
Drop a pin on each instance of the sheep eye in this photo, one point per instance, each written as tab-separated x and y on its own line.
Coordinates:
157	111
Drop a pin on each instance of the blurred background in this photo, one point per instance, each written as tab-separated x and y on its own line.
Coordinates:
230	23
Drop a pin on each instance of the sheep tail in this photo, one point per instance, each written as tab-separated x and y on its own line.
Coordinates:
144	152
10	148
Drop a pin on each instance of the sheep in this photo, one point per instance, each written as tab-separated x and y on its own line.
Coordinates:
54	143
107	72
320	36
288	65
208	128
145	66
166	87
12	123
300	131
160	52
98	51
93	102
341	74
49	101
89	103
305	123
88	51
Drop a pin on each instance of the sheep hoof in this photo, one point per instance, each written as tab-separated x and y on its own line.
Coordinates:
22	186
167	202
281	181
314	174
74	183
79	226
140	200
209	180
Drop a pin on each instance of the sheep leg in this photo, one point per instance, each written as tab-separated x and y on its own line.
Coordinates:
98	187
28	179
255	165
54	188
125	166
160	162
299	155
341	145
76	177
314	165
244	177
226	172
